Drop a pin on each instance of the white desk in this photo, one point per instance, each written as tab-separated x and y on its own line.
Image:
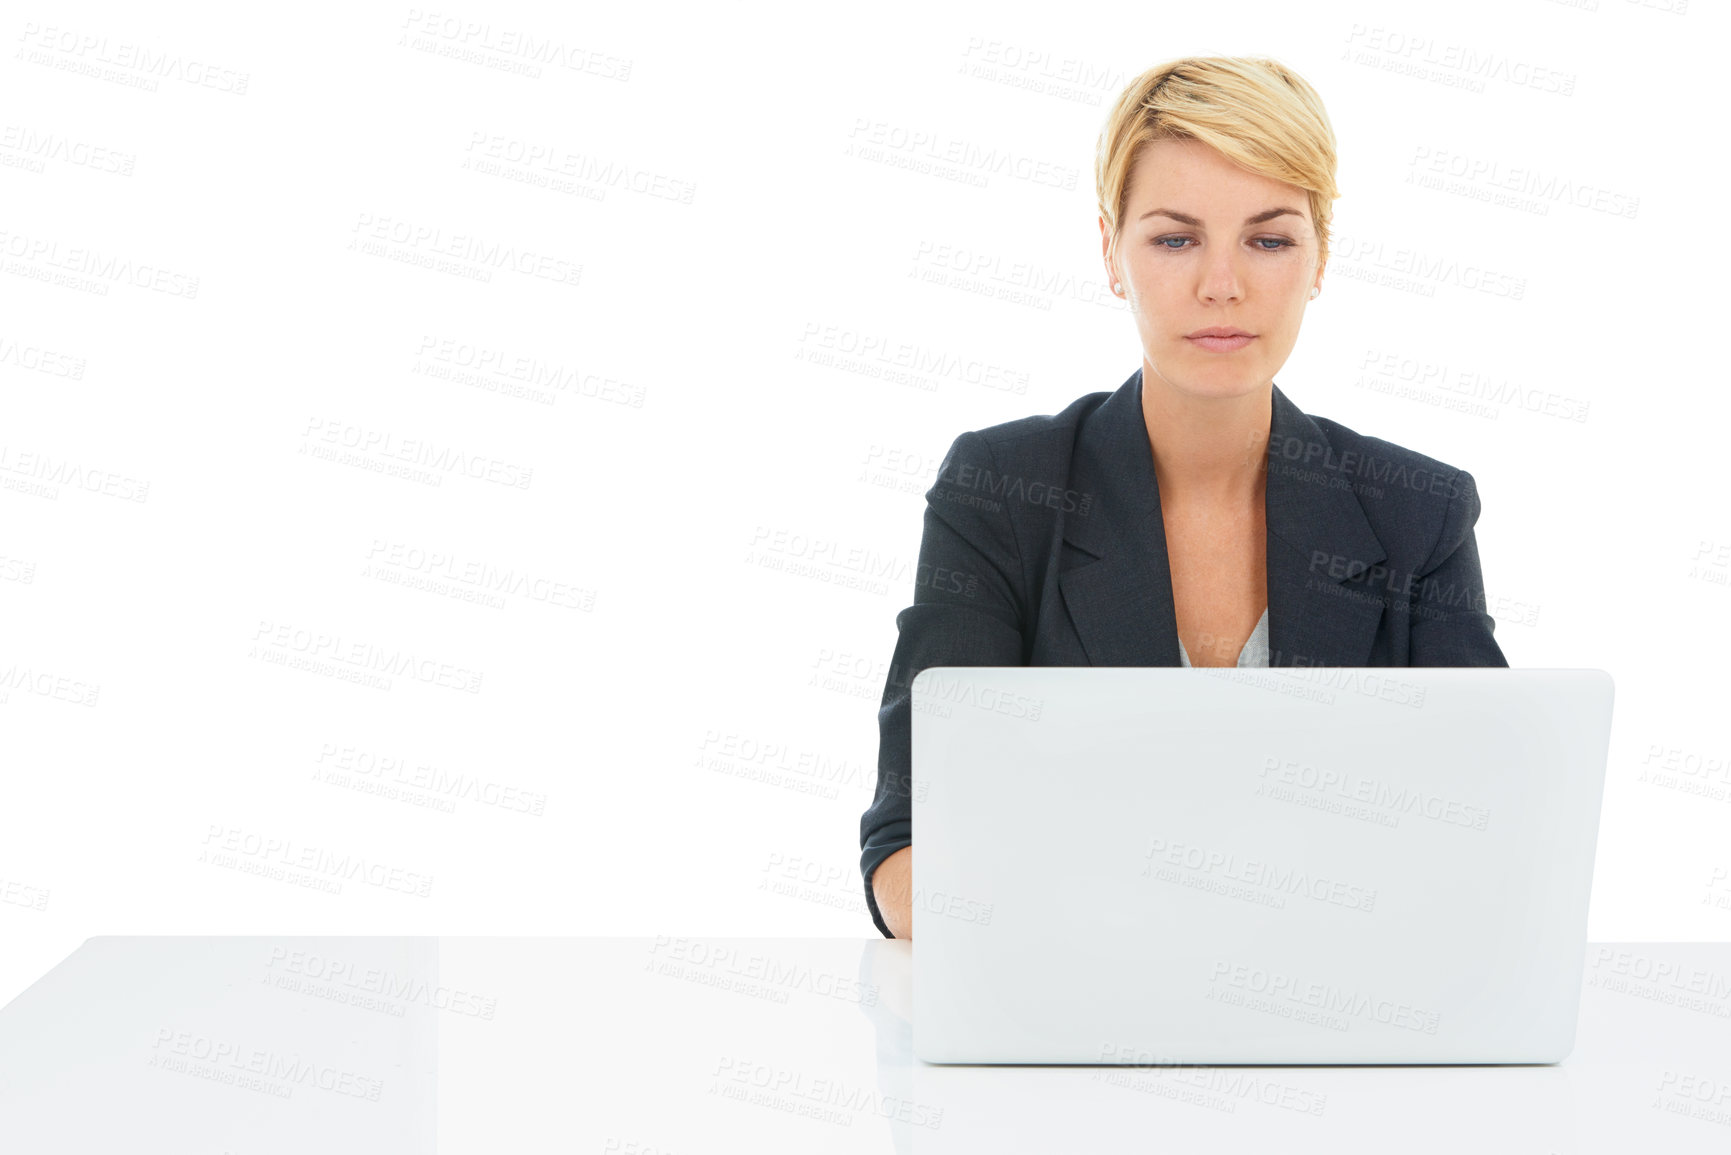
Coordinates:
272	1046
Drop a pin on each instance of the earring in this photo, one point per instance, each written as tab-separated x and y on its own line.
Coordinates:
1313	291
1116	286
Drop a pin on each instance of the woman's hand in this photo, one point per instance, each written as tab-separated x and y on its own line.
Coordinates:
892	887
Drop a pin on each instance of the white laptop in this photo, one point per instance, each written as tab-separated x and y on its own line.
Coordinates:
1150	866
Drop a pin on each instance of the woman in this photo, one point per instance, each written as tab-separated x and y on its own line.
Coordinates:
1194	516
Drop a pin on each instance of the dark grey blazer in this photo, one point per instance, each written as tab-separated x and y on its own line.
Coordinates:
1044	546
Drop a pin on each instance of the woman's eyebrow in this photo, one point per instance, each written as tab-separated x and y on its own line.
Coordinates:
1266	215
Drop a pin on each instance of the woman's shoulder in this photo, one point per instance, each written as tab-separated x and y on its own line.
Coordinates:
1020	469
1377	463
1028	435
1033	451
1417	504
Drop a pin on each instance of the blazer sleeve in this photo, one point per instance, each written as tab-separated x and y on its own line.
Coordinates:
1450	626
969	609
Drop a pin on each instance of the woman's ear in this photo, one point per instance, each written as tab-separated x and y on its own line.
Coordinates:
1112	277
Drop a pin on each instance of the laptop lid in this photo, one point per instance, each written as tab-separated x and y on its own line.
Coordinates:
1293	865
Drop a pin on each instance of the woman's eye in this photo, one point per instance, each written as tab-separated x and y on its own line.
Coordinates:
1265	244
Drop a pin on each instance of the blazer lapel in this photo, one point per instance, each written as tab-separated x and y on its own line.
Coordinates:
1319	543
1116	579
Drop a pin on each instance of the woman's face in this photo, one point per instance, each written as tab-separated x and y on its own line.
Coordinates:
1223	266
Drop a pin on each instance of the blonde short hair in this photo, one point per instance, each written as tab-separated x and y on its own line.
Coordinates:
1255	111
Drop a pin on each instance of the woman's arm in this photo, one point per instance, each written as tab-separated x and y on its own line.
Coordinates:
1450	624
969	609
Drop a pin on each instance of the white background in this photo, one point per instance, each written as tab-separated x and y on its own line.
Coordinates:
759	266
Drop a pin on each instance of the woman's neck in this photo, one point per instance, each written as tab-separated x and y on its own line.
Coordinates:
1211	451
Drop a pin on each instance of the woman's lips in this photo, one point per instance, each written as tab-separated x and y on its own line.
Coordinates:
1221	344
